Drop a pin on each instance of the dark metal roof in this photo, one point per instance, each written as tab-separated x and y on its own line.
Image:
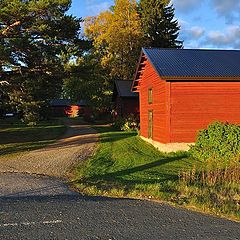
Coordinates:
123	88
194	62
81	103
66	102
60	102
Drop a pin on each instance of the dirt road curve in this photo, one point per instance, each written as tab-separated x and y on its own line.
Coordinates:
57	159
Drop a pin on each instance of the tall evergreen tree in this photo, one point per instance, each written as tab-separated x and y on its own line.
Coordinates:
159	27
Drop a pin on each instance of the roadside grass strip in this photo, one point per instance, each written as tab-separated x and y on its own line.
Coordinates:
16	139
126	166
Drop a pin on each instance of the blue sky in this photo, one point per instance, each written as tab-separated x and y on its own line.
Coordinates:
204	23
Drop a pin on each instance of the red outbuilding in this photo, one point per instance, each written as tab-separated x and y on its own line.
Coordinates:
125	101
66	108
182	91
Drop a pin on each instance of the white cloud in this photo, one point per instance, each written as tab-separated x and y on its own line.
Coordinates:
186	5
192	45
190	34
191	37
196	31
230	37
229	9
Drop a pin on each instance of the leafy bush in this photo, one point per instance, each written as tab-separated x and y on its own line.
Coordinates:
129	123
218	141
215	185
31	114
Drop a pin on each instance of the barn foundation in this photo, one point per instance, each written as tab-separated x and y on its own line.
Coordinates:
168	147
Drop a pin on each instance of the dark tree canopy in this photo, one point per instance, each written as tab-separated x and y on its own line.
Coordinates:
33	33
36	38
89	81
159	27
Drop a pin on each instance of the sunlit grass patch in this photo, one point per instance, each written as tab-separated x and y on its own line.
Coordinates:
126	166
19	138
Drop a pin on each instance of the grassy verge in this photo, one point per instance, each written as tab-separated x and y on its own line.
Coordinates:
16	138
126	166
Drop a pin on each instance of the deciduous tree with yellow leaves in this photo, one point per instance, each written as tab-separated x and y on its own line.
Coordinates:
117	37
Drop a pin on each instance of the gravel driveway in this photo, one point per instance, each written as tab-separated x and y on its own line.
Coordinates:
43	207
57	159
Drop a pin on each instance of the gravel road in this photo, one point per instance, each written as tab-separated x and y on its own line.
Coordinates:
40	207
57	159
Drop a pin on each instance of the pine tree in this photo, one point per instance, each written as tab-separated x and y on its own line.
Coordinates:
159	27
35	37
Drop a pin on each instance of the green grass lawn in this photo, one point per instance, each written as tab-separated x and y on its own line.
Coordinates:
126	166
17	138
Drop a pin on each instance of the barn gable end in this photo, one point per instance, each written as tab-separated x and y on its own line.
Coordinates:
159	106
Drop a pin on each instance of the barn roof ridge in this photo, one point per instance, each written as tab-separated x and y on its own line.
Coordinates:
192	49
194	62
173	64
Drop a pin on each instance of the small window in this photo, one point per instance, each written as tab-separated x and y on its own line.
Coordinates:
150	97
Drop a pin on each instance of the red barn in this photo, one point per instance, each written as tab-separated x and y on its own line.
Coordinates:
59	107
65	107
125	101
182	91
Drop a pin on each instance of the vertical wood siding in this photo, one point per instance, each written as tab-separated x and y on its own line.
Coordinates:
150	79
194	105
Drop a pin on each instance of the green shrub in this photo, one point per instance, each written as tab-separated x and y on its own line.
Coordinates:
129	123
118	123
218	141
31	112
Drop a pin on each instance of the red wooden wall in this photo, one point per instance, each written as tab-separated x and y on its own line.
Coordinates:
126	106
196	104
159	106
181	108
